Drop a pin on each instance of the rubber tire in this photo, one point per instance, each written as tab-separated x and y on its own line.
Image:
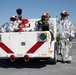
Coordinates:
54	60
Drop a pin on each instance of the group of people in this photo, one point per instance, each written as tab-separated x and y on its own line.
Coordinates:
65	31
16	23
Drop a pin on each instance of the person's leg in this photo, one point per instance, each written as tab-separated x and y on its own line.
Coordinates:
69	53
63	50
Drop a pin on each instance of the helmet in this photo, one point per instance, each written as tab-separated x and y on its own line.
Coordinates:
64	13
14	18
46	15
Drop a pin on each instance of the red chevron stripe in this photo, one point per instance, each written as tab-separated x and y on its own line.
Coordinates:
35	47
5	48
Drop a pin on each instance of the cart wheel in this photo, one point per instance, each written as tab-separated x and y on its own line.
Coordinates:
55	54
54	60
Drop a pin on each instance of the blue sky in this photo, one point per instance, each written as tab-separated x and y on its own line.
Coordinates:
35	8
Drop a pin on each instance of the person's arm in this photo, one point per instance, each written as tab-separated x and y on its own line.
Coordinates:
36	28
51	27
16	27
71	28
58	28
3	27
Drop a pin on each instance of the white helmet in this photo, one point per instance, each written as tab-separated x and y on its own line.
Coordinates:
46	14
13	18
64	13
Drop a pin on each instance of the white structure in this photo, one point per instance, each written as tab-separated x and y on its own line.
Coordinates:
34	44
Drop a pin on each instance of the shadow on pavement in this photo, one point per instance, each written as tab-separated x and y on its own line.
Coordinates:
21	64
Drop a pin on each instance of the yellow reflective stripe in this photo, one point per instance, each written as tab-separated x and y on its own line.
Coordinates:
44	54
49	36
49	50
